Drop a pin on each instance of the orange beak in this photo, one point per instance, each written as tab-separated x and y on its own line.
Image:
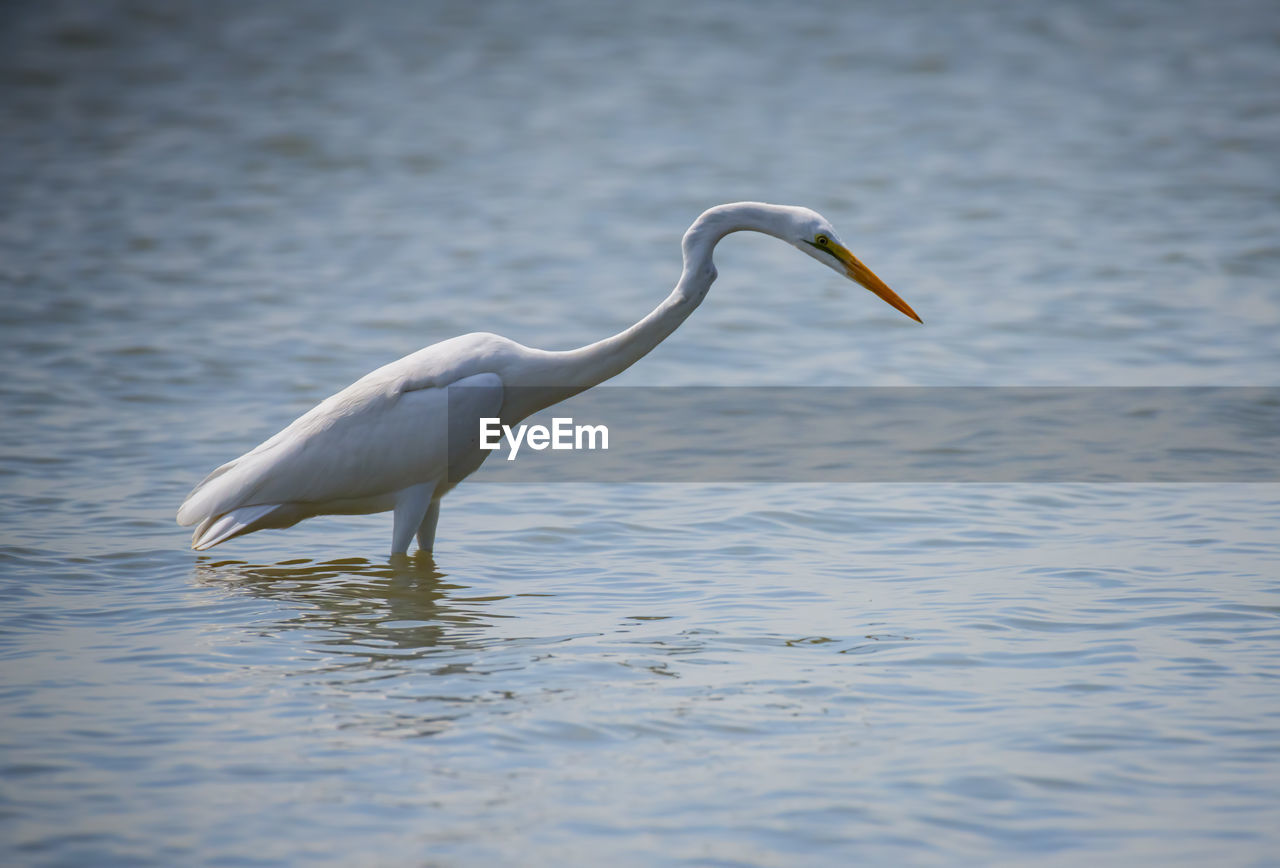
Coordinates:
865	276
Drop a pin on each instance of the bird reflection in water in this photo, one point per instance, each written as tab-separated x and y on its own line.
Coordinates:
363	615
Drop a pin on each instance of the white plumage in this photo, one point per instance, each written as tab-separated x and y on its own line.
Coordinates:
401	437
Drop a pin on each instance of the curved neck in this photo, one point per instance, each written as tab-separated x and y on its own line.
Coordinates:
569	372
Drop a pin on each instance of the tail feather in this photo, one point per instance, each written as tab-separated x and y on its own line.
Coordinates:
221	528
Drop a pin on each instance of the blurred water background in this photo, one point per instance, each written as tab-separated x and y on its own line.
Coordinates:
214	215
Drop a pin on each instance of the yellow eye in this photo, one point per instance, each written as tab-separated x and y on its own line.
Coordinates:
822	240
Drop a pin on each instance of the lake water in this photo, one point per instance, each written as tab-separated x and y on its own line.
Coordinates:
213	216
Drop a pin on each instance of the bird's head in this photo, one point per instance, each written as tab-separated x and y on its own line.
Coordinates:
803	228
813	234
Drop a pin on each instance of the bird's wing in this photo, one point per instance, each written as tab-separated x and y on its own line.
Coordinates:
370	439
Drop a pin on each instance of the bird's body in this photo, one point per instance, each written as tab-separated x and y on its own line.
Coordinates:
402	436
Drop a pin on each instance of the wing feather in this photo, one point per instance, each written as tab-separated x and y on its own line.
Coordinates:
365	441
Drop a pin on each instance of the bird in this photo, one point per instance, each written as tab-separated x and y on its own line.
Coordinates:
401	437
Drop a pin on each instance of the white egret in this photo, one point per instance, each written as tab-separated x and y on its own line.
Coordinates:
402	436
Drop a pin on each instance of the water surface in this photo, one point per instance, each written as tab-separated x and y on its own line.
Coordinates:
214	217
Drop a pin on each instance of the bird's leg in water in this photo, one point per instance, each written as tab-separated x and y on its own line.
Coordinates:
427	530
412	504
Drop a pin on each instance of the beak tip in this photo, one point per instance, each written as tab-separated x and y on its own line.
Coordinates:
858	272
